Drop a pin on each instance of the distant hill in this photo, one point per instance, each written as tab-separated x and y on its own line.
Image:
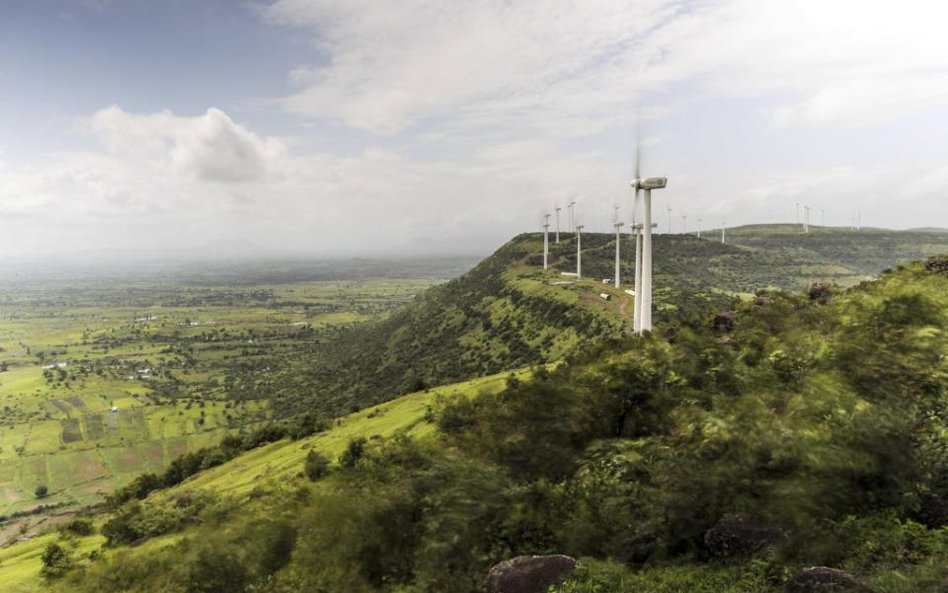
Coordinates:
508	313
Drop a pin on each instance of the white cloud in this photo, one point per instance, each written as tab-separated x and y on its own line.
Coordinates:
211	146
583	65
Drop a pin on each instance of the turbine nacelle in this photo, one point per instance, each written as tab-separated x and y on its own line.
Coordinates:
650	183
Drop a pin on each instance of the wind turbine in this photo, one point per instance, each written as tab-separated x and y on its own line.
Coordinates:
579	252
669	218
558	208
723	226
798	212
546	240
806	218
572	229
699	227
642	316
617	224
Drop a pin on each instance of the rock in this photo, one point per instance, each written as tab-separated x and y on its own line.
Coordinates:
529	574
762	301
737	535
937	264
821	292
933	511
724	321
821	579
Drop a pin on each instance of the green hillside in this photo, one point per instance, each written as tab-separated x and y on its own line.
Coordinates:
712	460
507	312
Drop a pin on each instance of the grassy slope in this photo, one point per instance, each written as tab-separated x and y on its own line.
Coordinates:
210	349
20	563
506	313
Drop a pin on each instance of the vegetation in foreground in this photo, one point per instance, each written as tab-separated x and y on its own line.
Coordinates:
796	432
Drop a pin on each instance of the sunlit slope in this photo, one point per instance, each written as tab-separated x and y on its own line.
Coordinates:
263	467
284	459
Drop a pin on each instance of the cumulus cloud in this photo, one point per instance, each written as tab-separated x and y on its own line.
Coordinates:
211	147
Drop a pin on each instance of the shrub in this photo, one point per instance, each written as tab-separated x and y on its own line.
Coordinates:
41	491
80	527
316	465
56	561
353	453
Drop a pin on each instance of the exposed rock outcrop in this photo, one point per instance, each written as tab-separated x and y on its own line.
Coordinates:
528	574
737	535
821	292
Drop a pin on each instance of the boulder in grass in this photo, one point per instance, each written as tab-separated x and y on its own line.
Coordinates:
821	292
933	511
529	574
821	579
937	264
737	535
724	321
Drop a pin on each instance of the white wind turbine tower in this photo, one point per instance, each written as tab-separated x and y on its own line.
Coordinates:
699	227
642	312
558	208
572	229
723	226
579	251
618	225
669	218
806	218
546	240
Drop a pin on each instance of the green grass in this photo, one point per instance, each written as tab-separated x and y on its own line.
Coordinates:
193	338
284	460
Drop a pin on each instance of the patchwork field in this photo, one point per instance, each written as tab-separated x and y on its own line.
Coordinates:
102	381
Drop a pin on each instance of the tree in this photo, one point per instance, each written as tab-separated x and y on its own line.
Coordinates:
56	561
316	465
353	452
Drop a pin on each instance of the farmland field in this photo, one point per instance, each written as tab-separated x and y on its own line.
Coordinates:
102	379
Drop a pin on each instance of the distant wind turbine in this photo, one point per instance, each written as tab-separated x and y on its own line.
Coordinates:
806	218
723	226
572	228
579	251
618	225
669	218
546	240
558	208
699	227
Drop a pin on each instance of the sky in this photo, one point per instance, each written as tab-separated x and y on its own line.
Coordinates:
371	127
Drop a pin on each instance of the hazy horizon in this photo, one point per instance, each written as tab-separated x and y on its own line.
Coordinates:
411	128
